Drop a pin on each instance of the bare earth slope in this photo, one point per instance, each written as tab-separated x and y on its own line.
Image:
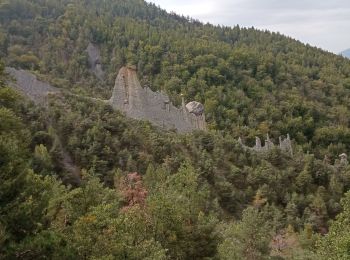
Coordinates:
30	86
95	60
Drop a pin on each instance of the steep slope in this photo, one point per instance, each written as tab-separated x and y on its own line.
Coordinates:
28	84
39	92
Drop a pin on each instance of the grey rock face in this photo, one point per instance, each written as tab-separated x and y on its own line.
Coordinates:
95	60
30	86
144	104
195	107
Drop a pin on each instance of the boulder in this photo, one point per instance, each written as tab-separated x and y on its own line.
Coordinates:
195	107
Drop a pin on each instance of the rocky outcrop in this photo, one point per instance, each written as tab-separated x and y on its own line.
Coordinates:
95	61
144	104
285	144
28	84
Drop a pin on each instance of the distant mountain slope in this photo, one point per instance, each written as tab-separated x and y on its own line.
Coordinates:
346	53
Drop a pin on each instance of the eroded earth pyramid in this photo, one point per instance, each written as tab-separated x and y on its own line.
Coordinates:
142	103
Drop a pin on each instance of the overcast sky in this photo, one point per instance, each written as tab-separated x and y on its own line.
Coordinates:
321	23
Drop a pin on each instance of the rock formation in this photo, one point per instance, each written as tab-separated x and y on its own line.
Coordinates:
195	107
343	159
144	104
28	84
95	60
129	97
284	144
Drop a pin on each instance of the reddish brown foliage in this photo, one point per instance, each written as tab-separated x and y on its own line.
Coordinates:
134	192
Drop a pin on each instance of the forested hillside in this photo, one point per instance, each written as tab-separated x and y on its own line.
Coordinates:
144	193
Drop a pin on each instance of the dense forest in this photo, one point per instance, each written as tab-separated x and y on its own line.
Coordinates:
81	181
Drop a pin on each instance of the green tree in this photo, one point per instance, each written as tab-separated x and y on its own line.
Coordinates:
179	219
336	244
246	239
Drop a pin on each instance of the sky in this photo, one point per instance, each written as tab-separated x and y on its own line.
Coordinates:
321	23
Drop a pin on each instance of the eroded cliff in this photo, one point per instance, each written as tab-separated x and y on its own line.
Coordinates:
144	104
